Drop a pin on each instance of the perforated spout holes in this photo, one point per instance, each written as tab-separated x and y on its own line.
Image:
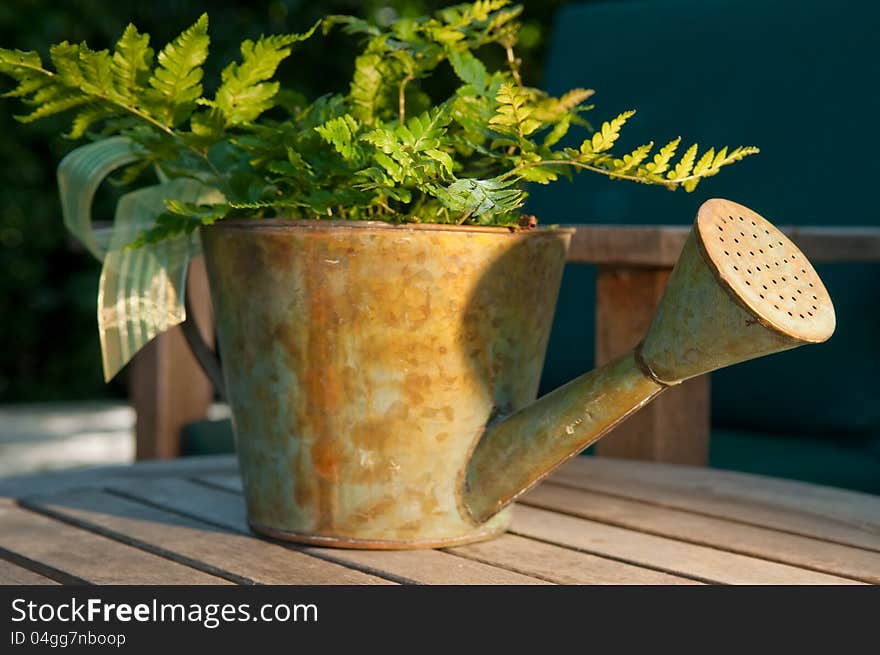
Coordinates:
766	270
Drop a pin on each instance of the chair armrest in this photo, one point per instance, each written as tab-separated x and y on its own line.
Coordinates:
659	245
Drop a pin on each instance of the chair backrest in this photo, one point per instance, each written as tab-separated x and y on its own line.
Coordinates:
797	78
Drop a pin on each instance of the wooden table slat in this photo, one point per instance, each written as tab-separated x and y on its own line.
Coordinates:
229	482
19	486
194	543
805	552
661	553
88	556
11	573
226	509
840	516
562	565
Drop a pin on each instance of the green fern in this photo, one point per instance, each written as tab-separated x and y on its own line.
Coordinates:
381	149
482	199
342	133
177	78
245	92
514	113
132	62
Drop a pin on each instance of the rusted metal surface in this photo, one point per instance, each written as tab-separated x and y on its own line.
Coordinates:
524	448
739	290
363	361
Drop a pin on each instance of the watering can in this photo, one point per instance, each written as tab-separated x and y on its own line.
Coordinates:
382	378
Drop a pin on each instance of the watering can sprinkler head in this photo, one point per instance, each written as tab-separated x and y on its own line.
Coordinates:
740	289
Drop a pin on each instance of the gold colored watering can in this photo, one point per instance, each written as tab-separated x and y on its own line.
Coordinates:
382	378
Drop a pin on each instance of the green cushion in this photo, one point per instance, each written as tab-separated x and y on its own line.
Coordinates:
795	77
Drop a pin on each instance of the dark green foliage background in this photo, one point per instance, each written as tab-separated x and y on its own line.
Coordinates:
48	338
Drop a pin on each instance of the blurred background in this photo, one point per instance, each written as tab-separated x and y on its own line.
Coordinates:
795	78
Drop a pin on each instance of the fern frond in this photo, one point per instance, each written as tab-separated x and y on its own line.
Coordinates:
351	25
424	131
710	165
685	164
660	163
366	88
704	162
85	118
551	110
470	70
60	104
513	115
132	61
559	130
177	78
65	58
605	137
341	132
245	92
480	199
97	72
26	68
632	160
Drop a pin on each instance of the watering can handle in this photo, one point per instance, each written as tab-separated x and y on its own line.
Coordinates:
204	354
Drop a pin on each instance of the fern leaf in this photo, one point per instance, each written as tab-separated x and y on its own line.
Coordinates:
208	125
341	133
660	162
97	72
57	106
20	60
480	199
442	158
551	110
739	153
28	85
26	68
719	158
132	60
85	119
366	88
427	128
245	92
470	70
633	159
539	174
559	130
177	78
481	9
65	58
704	162
609	133
685	164
715	164
351	25
513	115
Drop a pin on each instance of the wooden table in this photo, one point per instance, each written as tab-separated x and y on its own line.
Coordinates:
595	521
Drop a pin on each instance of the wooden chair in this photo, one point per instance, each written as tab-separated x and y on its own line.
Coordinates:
169	390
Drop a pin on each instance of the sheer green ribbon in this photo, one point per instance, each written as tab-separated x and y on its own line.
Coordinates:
142	290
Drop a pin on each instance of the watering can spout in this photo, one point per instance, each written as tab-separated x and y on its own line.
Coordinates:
739	290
